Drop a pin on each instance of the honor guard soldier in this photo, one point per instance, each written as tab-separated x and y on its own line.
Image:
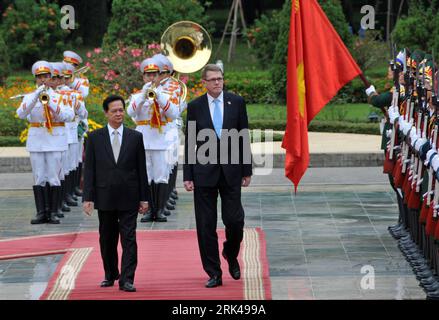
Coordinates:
56	83
152	110
46	140
175	125
79	82
75	132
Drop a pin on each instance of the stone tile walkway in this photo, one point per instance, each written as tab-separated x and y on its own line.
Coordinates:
321	243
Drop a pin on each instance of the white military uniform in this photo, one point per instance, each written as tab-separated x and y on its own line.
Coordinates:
45	148
176	124
80	84
156	136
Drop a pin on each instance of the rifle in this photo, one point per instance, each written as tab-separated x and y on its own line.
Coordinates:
395	98
433	140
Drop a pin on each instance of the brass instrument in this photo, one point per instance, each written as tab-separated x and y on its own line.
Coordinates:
18	96
150	93
188	46
44	99
81	70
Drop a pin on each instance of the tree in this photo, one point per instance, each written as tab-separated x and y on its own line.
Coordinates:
137	22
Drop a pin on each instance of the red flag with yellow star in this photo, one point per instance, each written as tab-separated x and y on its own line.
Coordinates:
318	66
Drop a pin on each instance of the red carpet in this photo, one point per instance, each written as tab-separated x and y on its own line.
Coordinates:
169	267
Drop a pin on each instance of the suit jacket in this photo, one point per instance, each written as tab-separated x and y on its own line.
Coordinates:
111	185
235	117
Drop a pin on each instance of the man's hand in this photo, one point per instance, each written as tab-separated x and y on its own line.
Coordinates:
88	207
246	181
143	207
189	185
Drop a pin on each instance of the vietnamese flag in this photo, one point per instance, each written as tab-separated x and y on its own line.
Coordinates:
318	66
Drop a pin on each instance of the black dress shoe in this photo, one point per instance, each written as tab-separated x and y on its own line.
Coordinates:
234	269
147	217
213	282
128	287
107	283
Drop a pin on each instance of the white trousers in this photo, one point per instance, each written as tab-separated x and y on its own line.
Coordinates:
157	165
65	163
46	167
80	150
73	156
172	156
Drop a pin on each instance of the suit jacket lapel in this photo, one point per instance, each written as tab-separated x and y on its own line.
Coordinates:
207	111
107	143
227	104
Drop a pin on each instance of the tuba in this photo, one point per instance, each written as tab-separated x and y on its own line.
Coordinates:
188	46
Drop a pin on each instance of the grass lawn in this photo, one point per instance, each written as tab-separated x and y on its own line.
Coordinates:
343	112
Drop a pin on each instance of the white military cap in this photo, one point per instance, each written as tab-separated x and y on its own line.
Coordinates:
72	57
149	65
57	68
68	70
164	63
41	67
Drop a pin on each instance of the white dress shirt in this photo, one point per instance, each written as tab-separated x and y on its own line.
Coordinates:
119	130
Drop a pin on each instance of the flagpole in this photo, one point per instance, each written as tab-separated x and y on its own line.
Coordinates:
363	78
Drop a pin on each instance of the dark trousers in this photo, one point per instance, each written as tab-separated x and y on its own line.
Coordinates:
111	224
232	214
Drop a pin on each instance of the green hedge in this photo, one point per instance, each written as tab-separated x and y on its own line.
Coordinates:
10	142
253	86
344	127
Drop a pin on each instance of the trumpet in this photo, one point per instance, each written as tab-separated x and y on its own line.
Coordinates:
150	93
44	99
21	95
18	96
81	70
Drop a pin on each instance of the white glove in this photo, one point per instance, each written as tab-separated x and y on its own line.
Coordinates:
146	86
370	90
393	114
413	137
435	163
407	127
40	89
162	99
388	133
429	154
420	143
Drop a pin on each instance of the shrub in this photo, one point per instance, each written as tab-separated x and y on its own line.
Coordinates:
415	31
139	22
117	70
10	142
370	51
4	61
263	36
32	32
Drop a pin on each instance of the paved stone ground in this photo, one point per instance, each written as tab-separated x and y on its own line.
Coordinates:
318	241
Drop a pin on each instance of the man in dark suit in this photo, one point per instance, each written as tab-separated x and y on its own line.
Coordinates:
213	166
116	183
